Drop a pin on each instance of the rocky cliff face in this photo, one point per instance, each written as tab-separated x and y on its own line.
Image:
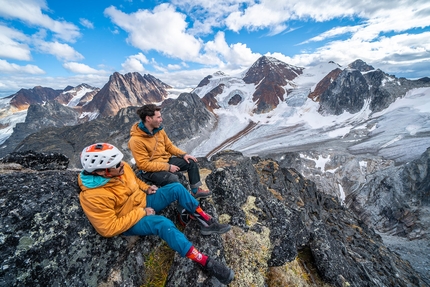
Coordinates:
121	91
391	198
276	215
360	84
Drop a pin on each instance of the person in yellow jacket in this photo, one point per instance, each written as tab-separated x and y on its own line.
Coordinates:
117	202
157	157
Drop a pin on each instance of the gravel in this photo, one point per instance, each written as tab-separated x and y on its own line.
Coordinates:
417	252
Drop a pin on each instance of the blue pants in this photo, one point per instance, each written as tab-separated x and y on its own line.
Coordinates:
162	226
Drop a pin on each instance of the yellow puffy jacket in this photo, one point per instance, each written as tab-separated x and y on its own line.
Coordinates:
152	152
115	206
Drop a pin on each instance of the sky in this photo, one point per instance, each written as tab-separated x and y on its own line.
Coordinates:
60	43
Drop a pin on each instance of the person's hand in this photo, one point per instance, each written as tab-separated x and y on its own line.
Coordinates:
152	189
149	211
174	168
187	158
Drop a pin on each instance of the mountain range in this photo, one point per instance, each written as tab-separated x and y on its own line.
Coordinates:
355	131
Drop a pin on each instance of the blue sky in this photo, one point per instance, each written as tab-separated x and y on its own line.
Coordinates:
59	43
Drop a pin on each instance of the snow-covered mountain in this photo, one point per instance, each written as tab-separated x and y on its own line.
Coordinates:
400	132
119	92
14	109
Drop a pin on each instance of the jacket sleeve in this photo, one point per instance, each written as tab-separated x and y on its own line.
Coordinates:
142	149
143	158
99	208
171	148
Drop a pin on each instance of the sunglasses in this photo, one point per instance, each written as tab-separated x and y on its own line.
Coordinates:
118	165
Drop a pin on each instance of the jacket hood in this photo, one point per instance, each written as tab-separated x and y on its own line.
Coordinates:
139	129
93	181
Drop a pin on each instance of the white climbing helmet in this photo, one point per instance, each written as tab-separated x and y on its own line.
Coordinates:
100	156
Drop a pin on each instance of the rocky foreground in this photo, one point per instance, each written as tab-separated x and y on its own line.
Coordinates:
280	222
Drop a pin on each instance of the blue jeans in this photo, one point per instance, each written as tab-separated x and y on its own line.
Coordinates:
162	226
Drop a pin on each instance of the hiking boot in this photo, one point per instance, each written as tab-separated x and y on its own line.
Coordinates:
201	193
221	272
214	227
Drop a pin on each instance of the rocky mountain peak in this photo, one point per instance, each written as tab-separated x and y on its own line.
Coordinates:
77	96
25	97
271	69
131	89
270	77
361	66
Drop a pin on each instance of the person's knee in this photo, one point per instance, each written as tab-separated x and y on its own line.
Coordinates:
161	224
193	165
177	187
170	178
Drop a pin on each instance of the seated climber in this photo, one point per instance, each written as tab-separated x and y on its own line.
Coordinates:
157	157
117	202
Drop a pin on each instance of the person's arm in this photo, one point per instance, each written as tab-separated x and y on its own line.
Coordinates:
99	208
143	155
171	148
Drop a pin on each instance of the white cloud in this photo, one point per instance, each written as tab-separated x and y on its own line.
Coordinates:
12	44
337	31
236	55
174	67
162	29
260	16
59	50
80	68
86	23
30	11
206	15
135	63
6	67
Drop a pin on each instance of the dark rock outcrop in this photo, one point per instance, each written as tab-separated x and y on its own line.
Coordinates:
279	207
210	98
37	161
348	92
204	82
395	200
187	121
274	212
40	116
350	89
324	84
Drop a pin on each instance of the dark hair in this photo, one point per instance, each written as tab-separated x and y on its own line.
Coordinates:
147	111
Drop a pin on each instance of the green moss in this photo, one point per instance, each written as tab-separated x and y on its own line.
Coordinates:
157	265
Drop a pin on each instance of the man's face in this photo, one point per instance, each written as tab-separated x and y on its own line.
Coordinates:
117	170
155	121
